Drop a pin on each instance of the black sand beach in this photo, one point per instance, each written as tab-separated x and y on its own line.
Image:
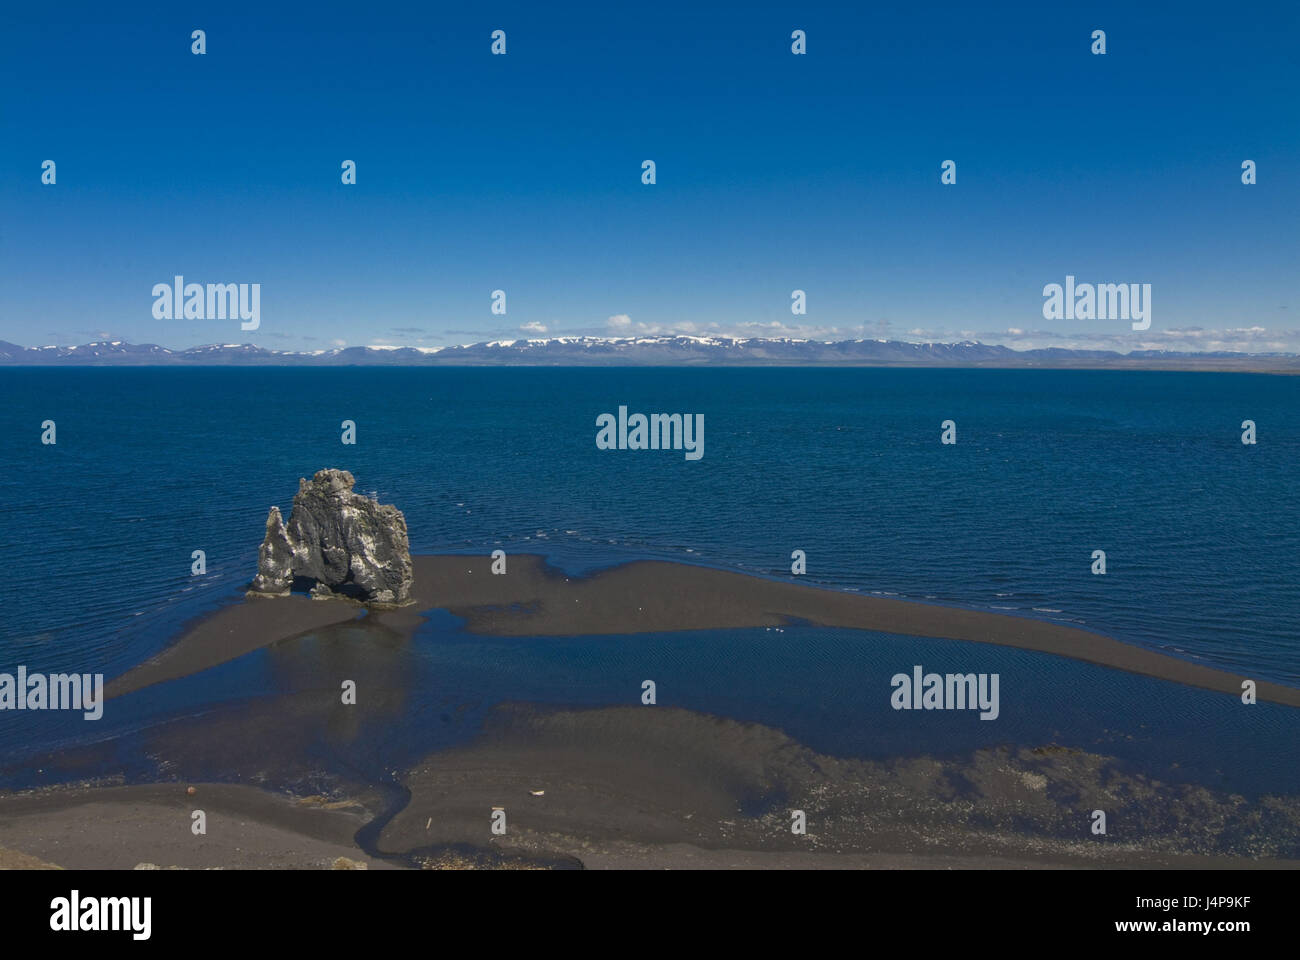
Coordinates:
619	787
672	789
628	785
122	827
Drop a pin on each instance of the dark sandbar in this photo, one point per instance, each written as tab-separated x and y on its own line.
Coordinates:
535	599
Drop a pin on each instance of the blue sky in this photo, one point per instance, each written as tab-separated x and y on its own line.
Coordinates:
775	172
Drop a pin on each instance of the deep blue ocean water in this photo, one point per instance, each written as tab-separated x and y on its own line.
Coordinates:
1200	531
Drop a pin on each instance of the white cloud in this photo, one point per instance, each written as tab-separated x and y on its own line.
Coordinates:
532	326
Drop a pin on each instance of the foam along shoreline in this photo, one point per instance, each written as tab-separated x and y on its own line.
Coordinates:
535	599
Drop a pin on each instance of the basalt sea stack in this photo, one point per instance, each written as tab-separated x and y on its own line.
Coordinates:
350	545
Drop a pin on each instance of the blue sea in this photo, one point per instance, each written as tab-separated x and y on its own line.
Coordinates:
1200	533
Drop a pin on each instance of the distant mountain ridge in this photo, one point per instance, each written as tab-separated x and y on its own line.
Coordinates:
646	351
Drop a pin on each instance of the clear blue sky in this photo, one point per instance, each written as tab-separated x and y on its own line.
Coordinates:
775	171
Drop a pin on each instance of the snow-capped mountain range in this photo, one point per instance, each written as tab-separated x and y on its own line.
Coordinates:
644	351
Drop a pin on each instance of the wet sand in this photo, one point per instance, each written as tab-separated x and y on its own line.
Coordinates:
118	828
665	788
534	599
657	786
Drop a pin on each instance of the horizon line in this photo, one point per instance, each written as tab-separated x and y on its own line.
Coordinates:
682	350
